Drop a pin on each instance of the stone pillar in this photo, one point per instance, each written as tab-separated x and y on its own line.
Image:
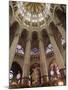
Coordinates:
43	64
13	47
26	65
63	52
58	42
59	58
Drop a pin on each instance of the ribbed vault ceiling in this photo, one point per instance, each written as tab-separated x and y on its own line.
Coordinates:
30	13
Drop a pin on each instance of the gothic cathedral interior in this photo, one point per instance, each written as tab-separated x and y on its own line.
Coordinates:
37	47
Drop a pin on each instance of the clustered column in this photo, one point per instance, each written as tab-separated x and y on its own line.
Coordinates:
43	64
13	46
62	32
26	64
59	58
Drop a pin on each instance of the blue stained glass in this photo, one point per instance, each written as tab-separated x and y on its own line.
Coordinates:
35	50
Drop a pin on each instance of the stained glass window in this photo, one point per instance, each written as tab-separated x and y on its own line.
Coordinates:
49	49
35	51
18	76
19	49
62	41
11	75
54	71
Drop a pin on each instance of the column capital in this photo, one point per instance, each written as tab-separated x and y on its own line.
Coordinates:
18	32
50	34
29	37
48	30
58	24
40	36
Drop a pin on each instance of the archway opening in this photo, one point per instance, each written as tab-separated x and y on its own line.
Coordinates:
15	75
